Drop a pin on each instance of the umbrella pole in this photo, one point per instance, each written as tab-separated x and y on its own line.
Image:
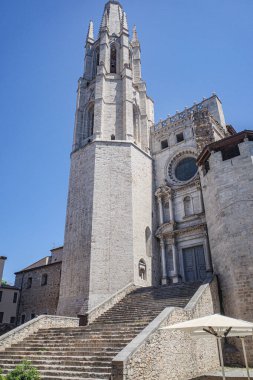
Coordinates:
245	357
221	357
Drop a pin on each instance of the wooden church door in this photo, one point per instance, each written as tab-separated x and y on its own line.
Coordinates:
194	264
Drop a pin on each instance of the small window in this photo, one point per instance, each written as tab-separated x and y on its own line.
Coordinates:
44	279
230	152
33	315
1	317
12	320
1	295
112	137
15	297
22	319
166	212
29	283
164	144
180	137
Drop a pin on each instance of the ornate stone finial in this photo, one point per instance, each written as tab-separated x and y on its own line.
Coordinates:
135	36
90	34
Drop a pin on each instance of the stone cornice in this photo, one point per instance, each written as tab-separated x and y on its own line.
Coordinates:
170	230
167	190
90	142
194	183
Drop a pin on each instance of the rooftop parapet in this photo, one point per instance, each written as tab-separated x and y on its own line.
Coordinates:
188	112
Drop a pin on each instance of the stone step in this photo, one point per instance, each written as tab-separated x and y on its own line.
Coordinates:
88	332
39	354
105	377
78	343
95	325
42	342
76	360
81	348
71	378
104	368
80	338
72	375
97	362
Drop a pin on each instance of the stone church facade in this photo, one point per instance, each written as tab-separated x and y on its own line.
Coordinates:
140	210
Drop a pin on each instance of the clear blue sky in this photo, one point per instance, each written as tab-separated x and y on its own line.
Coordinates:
190	48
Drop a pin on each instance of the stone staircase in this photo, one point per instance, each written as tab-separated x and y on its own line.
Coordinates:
87	352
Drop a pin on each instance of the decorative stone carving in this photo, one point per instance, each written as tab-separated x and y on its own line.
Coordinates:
164	191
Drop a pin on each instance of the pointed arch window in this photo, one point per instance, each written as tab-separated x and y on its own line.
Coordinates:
96	61
130	59
188	206
113	59
148	238
90	120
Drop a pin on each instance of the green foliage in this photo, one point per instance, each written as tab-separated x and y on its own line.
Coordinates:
24	371
4	282
1	375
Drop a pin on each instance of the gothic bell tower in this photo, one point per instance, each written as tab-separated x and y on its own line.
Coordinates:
109	212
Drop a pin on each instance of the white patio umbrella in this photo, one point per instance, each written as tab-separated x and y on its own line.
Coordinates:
220	327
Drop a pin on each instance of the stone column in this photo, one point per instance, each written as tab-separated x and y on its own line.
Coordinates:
160	205
163	262
201	203
171	209
175	262
207	254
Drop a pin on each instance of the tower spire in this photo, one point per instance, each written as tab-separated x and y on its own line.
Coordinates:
90	34
135	36
112	17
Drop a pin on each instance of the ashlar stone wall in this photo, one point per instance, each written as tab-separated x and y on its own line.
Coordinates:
109	209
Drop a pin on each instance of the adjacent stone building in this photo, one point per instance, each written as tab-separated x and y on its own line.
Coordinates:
226	169
9	297
39	286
